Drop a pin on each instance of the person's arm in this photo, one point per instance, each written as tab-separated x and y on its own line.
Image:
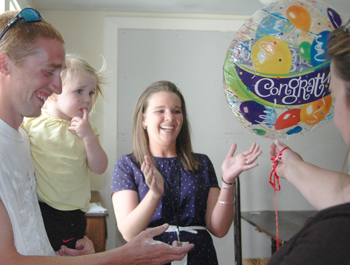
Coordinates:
322	188
96	157
220	206
141	250
134	216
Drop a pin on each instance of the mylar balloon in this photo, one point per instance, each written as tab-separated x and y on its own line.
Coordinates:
276	72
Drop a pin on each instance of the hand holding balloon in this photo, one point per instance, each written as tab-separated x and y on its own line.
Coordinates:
286	159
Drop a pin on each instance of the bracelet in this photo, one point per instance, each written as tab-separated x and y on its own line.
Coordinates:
226	182
227	187
226	202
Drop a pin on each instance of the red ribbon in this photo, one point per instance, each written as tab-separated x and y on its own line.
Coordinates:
275	183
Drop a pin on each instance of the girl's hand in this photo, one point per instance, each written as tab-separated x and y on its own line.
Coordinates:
233	166
82	126
286	158
153	178
83	246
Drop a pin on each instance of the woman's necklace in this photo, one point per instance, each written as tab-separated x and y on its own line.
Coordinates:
176	213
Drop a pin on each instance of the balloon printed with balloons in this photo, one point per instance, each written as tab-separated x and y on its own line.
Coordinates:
312	113
271	55
276	72
299	17
304	50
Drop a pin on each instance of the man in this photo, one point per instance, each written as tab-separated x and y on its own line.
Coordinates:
32	55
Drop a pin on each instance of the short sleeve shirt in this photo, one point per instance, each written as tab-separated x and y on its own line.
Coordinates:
195	186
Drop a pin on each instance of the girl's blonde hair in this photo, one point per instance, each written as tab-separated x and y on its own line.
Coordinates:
75	64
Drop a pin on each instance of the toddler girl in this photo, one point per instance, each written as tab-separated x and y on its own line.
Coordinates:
65	148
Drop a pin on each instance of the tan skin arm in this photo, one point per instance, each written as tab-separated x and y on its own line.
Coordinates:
134	216
219	216
141	250
223	210
322	188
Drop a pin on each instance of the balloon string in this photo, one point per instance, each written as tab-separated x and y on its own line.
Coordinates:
275	183
276	213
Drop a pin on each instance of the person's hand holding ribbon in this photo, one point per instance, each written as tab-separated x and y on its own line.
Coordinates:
282	159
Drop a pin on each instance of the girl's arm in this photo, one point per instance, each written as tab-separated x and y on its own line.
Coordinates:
322	188
220	204
134	216
96	157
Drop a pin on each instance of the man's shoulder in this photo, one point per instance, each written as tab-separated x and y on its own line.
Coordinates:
8	140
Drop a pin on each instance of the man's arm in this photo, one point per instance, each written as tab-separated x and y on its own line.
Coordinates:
140	250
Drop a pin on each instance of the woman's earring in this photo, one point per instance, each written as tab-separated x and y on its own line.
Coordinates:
144	127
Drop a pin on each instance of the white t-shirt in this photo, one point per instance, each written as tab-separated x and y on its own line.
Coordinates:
18	193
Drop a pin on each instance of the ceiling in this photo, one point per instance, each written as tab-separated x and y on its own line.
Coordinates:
216	7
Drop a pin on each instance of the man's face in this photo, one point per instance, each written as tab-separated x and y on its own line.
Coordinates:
31	83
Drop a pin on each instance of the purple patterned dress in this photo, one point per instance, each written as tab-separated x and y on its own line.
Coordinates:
195	186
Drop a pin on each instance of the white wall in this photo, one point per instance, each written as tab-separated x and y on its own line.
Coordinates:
84	34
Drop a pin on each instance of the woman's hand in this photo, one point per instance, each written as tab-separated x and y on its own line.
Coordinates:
153	178
285	160
234	165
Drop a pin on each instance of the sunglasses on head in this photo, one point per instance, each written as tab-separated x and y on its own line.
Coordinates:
26	14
